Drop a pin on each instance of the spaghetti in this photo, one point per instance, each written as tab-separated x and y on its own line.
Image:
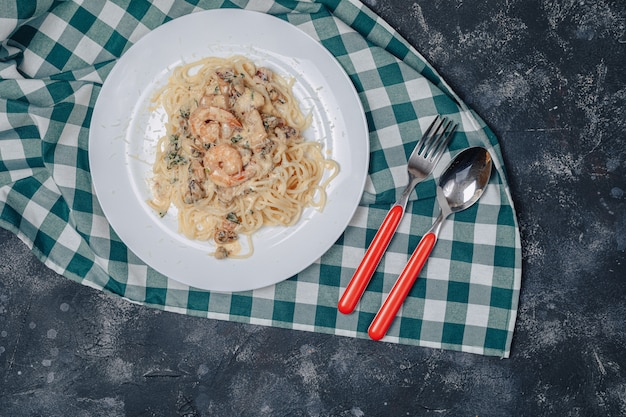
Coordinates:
233	158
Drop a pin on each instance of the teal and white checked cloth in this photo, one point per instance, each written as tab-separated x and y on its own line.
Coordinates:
54	57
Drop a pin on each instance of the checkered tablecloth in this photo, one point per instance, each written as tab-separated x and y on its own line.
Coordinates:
54	57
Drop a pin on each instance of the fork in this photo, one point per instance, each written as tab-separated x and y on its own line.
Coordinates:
423	159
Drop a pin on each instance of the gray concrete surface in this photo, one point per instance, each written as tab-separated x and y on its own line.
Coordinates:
549	77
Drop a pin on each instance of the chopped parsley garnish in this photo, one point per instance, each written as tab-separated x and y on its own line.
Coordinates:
173	156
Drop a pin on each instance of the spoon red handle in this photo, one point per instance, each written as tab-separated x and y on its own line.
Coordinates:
401	288
371	259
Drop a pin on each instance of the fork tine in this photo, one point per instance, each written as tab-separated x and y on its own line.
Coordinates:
423	142
431	151
431	128
441	129
442	141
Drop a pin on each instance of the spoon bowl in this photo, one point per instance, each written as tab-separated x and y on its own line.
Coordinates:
460	186
465	179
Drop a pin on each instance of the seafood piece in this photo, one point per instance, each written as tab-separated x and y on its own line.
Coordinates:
249	100
253	128
195	190
281	129
213	100
225	165
285	133
265	148
197	171
225	236
262	76
221	252
235	83
208	123
219	86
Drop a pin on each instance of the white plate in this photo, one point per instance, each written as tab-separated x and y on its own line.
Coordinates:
124	132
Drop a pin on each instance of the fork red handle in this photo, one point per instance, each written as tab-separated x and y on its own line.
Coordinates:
401	288
373	255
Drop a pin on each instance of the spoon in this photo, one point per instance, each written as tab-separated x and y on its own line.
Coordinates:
460	186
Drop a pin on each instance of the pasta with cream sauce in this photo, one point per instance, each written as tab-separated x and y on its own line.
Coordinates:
233	158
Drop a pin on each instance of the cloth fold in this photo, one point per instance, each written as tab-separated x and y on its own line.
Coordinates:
54	57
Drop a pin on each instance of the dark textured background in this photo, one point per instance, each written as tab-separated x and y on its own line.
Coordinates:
549	77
